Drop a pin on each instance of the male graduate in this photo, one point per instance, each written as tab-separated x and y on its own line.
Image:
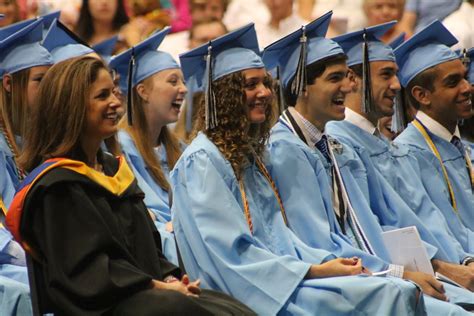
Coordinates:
324	206
375	71
434	79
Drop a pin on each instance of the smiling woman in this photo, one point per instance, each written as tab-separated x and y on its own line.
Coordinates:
157	92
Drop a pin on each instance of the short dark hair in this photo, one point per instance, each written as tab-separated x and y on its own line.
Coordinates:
426	80
313	71
357	69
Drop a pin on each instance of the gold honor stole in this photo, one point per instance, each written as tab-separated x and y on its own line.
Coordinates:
116	184
435	151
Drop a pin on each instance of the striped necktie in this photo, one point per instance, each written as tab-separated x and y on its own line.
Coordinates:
322	146
459	145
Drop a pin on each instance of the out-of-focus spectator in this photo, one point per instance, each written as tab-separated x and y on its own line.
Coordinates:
180	15
206	9
461	24
11	10
348	15
201	11
241	12
205	31
420	13
147	16
273	18
282	21
69	9
382	11
100	20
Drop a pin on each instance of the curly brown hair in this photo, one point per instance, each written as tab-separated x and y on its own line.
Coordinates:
235	136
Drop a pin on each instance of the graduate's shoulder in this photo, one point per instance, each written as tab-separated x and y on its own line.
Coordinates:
281	136
202	151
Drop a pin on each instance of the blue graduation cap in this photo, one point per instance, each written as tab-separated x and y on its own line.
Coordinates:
227	54
106	48
22	50
397	41
15	27
425	49
303	47
119	64
140	62
64	44
352	44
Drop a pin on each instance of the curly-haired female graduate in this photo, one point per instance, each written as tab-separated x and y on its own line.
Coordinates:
227	215
81	215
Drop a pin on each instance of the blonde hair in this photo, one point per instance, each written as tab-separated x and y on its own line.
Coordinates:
141	137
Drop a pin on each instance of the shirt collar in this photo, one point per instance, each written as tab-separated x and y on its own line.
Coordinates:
360	121
314	133
435	127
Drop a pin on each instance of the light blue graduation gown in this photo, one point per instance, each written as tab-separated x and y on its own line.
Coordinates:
266	268
304	186
12	256
462	226
156	199
403	173
14	298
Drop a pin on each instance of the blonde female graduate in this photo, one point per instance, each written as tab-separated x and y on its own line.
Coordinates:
157	90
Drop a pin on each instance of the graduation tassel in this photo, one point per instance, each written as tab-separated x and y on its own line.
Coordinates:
131	66
465	58
281	99
399	121
367	104
209	97
298	87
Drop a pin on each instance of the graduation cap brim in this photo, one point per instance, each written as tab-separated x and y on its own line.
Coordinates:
59	35
244	37
397	41
273	52
49	18
436	32
106	48
28	34
373	33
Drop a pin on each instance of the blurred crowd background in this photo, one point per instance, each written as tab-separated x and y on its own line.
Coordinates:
194	22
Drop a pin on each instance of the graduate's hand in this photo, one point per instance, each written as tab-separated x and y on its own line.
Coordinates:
192	286
169	227
463	275
336	267
175	285
428	283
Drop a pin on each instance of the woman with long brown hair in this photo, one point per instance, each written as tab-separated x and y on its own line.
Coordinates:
80	212
157	91
228	217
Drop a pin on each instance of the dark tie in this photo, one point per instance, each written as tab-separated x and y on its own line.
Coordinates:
459	145
322	146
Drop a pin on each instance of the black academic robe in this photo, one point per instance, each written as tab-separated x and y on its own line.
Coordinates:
98	249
